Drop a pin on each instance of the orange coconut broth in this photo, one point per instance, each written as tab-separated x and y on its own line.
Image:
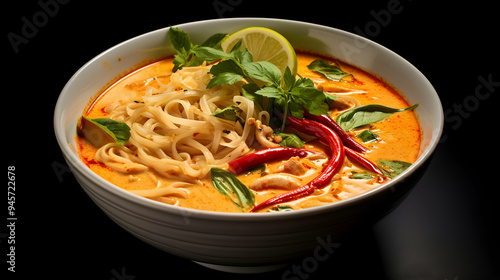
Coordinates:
400	138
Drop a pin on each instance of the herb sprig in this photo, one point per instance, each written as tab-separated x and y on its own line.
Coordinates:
185	48
330	71
264	82
227	184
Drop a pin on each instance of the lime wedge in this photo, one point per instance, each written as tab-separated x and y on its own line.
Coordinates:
265	45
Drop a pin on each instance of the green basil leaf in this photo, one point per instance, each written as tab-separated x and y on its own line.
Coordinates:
291	94
264	71
223	79
392	168
226	72
270	92
295	108
226	66
361	175
330	98
365	115
229	113
290	140
330	71
194	55
210	54
180	39
227	184
249	91
119	131
289	79
312	99
367	136
180	59
281	208
237	46
194	61
259	168
242	56
182	45
304	82
214	41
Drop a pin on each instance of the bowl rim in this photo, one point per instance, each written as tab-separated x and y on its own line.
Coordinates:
75	162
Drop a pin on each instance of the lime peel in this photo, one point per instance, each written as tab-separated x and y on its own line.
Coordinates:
265	45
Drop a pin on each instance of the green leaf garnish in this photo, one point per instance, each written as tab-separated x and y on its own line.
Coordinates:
214	41
265	84
281	208
330	71
392	168
365	115
210	54
290	140
186	51
225	78
119	131
227	184
361	175
264	71
259	168
367	136
310	98
270	92
229	113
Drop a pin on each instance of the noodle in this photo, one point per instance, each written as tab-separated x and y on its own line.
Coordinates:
173	131
176	138
169	190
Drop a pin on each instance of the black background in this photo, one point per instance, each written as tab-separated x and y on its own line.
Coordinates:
446	229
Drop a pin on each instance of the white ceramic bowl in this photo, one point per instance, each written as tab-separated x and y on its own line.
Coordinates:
245	242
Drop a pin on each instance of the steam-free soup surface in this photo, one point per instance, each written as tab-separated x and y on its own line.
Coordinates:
399	139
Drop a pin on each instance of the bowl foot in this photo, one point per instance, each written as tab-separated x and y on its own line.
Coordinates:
242	269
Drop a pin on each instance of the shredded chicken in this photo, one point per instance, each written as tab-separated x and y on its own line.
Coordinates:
292	166
333	88
344	103
264	134
275	181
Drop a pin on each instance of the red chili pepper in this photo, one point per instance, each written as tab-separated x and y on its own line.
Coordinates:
346	138
325	135
348	141
260	157
357	158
